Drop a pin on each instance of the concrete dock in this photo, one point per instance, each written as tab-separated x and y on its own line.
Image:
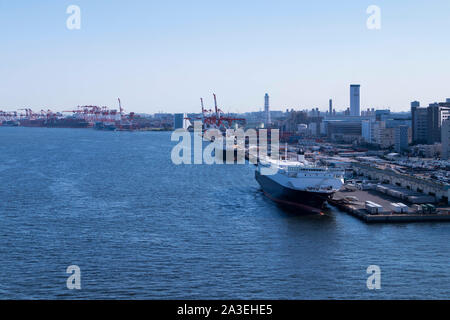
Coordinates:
353	202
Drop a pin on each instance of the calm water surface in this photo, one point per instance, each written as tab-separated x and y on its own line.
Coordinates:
140	227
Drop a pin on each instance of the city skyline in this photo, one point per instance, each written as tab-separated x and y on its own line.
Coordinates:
262	108
163	57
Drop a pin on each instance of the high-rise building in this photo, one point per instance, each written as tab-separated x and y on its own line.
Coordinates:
445	135
414	106
355	100
267	110
331	107
436	114
419	123
433	124
401	138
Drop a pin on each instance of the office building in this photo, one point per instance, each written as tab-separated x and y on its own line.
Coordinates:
401	138
419	124
445	135
345	131
355	100
436	114
267	120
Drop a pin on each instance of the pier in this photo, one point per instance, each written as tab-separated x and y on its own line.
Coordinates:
354	203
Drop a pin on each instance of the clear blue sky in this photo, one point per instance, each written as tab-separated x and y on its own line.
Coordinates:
164	55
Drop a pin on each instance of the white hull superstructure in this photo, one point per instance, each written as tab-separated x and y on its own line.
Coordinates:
298	182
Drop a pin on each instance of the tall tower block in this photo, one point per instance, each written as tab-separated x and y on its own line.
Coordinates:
355	100
267	110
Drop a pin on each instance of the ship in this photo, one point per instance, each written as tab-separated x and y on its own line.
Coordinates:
32	122
9	123
105	126
68	122
298	183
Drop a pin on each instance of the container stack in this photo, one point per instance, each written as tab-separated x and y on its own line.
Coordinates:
373	208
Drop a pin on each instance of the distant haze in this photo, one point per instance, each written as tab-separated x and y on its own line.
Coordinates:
162	56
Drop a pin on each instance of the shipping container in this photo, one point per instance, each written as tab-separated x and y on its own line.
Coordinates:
373	208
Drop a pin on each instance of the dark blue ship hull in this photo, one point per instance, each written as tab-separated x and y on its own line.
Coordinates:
310	201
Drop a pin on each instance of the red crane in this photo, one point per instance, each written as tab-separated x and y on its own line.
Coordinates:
215	120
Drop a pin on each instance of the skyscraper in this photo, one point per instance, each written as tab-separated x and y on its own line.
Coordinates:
267	110
445	134
414	106
354	100
331	107
419	122
436	114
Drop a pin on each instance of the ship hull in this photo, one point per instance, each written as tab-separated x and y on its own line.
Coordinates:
105	127
9	123
67	123
309	201
32	123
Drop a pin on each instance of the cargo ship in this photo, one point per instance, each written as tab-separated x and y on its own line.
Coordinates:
105	126
68	122
298	183
9	123
32	122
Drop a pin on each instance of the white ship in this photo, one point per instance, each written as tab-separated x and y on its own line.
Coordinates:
298	183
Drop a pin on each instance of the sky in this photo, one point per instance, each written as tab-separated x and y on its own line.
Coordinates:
162	56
